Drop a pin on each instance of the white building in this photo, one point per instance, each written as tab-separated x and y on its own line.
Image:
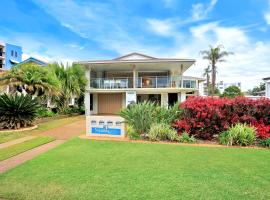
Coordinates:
267	87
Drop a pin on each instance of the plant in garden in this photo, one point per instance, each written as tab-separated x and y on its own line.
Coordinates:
232	91
131	133
265	142
45	112
186	138
239	134
163	132
206	117
17	111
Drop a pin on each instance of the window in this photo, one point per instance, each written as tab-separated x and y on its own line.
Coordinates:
91	102
12	53
16	54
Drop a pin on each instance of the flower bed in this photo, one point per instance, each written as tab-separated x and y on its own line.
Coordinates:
206	117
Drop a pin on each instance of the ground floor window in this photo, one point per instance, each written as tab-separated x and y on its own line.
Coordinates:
91	102
156	98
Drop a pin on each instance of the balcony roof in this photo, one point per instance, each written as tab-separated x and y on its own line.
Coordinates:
141	61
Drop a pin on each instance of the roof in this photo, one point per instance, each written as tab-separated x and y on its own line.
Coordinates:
136	58
267	78
32	59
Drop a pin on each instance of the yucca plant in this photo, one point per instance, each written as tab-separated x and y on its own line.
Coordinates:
17	111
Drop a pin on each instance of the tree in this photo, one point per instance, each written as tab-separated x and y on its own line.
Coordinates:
214	55
73	82
32	79
206	74
257	89
232	91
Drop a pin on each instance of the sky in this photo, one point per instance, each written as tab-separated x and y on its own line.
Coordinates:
72	30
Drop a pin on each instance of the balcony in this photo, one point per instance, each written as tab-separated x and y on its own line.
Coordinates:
142	82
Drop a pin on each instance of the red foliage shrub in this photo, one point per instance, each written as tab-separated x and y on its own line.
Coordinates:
205	117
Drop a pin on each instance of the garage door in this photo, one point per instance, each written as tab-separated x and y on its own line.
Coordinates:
109	103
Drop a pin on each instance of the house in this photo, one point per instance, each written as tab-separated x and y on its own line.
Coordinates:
10	55
221	85
114	84
267	87
34	61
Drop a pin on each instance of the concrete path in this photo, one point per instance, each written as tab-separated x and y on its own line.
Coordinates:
17	141
61	134
28	155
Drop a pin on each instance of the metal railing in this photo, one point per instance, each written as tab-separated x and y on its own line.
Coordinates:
142	82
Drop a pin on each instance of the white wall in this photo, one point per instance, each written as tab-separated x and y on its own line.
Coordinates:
267	89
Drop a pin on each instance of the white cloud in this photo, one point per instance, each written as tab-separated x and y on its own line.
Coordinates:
200	11
267	14
161	27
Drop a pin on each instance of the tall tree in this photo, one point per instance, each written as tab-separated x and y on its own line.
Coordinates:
214	55
206	74
73	82
32	79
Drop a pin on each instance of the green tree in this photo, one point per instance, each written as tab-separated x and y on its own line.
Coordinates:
257	89
73	82
232	91
33	79
214	55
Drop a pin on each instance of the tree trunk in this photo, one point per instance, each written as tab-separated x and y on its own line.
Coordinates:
213	78
207	83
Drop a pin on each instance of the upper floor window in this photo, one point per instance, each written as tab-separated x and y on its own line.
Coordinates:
12	53
16	54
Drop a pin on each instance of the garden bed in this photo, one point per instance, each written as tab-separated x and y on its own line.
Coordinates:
19	130
47	119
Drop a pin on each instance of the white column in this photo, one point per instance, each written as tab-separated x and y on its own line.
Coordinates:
182	96
134	75
164	99
87	92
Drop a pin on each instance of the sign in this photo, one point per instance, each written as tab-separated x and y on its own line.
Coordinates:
131	97
106	130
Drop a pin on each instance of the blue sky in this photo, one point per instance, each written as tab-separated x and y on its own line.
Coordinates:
69	30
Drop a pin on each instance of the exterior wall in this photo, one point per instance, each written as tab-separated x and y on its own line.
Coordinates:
9	48
267	89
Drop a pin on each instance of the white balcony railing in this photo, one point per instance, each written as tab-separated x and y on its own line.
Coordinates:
142	82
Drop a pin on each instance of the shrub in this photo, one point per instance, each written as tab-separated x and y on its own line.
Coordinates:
205	117
17	111
239	134
131	133
232	91
265	142
185	138
142	115
162	132
44	112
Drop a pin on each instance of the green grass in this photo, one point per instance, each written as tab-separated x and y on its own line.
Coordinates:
8	136
16	149
84	169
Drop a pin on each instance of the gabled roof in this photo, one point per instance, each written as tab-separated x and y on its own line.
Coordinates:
35	60
267	78
135	56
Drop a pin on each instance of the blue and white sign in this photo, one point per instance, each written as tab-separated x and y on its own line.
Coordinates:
106	130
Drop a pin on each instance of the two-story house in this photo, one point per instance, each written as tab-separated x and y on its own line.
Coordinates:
114	84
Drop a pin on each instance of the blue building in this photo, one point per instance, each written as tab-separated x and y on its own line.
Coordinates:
10	55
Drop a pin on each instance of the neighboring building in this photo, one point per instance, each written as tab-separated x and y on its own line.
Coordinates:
116	83
222	85
10	55
267	87
34	61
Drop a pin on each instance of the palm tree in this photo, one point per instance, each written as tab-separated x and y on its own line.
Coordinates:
214	55
73	82
32	79
206	74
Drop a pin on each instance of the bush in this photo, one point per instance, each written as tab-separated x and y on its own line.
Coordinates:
162	132
142	115
132	134
17	111
239	134
206	117
265	142
232	91
185	138
44	112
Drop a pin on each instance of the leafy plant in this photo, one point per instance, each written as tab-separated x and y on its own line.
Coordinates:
131	133
239	134
162	132
17	111
265	142
44	112
186	138
232	91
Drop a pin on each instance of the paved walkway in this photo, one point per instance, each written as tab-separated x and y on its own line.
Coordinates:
17	141
61	134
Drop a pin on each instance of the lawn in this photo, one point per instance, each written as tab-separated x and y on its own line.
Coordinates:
84	169
7	136
16	149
